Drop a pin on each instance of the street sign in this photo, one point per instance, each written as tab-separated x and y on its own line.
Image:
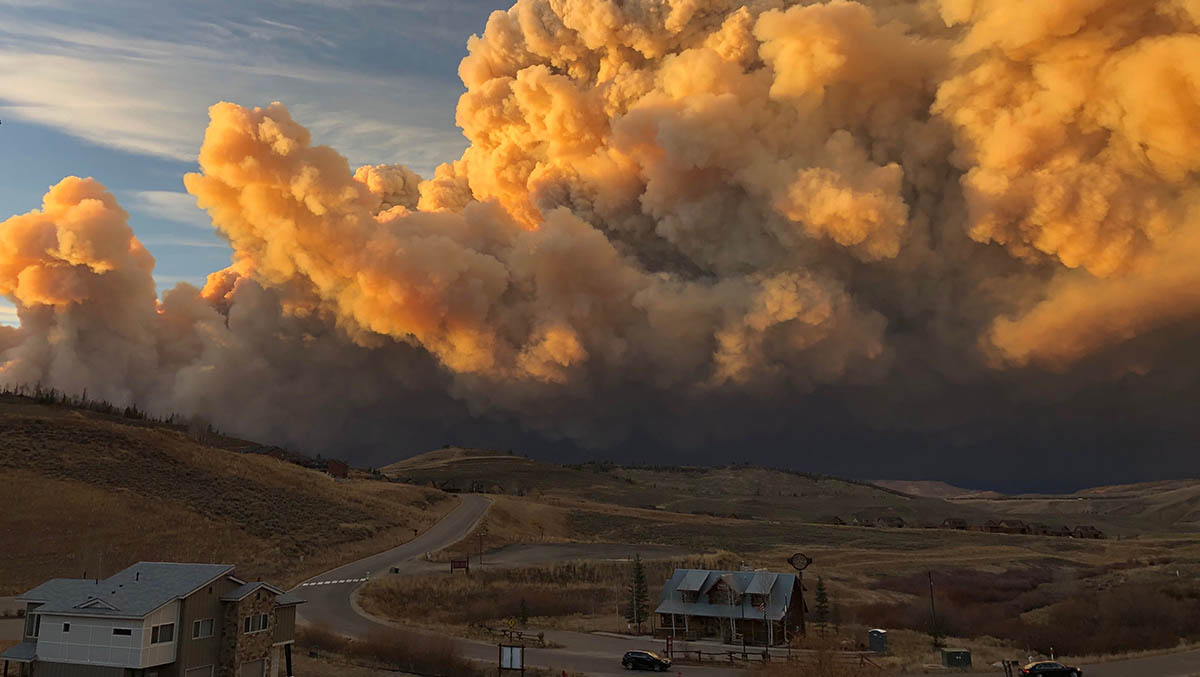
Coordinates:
800	561
512	623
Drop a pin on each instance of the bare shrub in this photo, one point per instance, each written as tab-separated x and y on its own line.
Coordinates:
401	649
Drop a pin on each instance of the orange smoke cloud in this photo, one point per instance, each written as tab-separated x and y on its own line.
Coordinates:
697	197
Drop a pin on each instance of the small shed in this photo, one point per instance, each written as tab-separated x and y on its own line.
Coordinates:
956	658
337	469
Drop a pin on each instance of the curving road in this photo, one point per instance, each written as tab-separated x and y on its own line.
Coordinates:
329	603
328	594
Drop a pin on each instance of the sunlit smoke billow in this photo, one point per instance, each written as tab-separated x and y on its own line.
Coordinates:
668	209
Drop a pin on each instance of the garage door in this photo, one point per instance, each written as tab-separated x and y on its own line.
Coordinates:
206	671
253	669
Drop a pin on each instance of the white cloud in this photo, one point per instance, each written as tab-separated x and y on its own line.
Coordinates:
8	315
169	206
151	97
176	241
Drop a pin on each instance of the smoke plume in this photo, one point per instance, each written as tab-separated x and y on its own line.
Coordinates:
669	212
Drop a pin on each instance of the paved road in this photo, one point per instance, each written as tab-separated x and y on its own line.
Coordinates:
328	594
1183	664
328	597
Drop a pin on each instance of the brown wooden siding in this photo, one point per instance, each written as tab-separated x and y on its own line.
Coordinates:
285	624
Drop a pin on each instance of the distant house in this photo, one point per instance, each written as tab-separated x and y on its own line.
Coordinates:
1013	526
990	526
1062	532
1087	531
1039	529
758	606
835	520
954	523
337	469
155	618
890	522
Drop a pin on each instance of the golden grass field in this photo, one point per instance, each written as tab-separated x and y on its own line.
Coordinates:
87	492
875	576
91	492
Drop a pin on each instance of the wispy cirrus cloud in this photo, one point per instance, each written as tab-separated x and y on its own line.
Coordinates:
150	96
169	206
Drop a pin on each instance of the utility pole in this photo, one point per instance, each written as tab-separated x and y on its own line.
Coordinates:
933	630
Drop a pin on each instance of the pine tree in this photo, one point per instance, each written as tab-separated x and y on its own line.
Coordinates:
523	613
821	612
639	597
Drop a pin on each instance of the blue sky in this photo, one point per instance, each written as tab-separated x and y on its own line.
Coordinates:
119	91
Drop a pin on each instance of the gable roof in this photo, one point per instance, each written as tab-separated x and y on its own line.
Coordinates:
243	591
692	580
132	593
775	587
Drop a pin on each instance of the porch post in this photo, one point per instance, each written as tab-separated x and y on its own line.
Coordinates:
287	658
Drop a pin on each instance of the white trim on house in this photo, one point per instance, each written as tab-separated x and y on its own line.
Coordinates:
198	628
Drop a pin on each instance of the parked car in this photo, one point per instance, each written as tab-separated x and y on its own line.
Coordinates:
645	660
1050	668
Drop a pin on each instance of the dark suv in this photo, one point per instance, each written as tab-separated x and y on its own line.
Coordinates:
644	660
1049	669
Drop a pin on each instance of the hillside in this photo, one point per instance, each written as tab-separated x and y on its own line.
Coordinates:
741	492
91	492
1170	505
934	489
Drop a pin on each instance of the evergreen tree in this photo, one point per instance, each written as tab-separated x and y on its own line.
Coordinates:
523	613
821	612
639	597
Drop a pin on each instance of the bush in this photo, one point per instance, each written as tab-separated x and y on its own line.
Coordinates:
400	649
1129	617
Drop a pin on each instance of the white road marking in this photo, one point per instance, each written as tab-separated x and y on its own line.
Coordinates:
344	580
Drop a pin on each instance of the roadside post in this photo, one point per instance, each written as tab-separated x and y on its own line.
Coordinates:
800	562
512	656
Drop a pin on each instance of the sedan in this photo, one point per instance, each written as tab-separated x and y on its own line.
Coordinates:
1050	668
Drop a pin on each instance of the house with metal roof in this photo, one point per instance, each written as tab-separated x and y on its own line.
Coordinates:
156	619
756	607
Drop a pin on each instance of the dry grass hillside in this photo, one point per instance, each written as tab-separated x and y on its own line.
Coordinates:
92	492
934	489
737	492
1171	506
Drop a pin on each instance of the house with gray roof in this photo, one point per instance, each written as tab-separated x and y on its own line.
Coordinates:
757	607
156	619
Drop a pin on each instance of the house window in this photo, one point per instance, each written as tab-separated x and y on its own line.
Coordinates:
122	632
66	627
202	629
255	623
162	633
33	625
